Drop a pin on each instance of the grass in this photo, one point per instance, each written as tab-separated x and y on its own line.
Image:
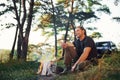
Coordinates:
107	69
18	71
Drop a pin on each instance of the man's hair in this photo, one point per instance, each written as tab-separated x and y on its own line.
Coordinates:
82	28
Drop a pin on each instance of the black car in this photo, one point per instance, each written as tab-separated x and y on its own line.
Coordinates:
106	47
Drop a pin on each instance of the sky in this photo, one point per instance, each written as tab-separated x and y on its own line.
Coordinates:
106	26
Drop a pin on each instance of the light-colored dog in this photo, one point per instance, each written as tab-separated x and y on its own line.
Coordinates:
48	67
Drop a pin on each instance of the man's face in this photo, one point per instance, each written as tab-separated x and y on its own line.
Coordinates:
79	32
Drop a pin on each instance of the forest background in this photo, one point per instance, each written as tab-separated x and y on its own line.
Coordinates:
39	23
30	29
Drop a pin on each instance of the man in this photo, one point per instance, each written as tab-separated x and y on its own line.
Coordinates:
84	51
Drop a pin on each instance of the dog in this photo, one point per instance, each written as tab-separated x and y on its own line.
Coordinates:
48	68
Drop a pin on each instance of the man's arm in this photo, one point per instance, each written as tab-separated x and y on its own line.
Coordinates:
83	57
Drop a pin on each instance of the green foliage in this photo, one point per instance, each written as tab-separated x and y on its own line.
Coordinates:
116	19
8	9
61	1
82	11
96	35
104	9
18	71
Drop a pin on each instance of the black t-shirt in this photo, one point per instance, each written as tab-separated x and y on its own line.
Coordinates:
86	42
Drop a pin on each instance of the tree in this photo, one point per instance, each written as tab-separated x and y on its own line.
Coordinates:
96	35
23	15
67	13
23	37
58	17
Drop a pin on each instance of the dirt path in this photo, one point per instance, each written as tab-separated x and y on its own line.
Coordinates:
46	77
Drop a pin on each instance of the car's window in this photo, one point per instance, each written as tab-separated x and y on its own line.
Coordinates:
101	44
113	45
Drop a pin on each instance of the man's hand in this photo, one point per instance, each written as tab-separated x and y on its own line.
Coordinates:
73	67
64	45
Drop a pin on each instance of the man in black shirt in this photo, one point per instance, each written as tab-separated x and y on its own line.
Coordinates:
84	50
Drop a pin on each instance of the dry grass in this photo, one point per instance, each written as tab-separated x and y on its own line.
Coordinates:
107	69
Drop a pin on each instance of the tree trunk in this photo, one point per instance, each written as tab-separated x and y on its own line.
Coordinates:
19	44
13	47
24	49
27	32
54	19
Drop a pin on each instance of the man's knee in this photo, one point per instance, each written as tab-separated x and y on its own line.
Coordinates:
85	65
